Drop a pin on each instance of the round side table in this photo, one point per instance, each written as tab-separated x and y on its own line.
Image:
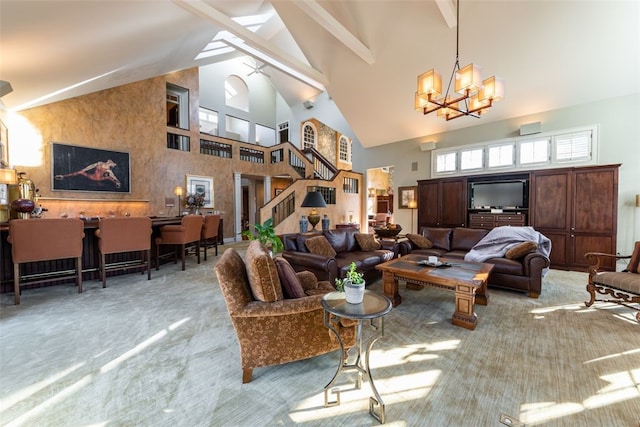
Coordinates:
373	308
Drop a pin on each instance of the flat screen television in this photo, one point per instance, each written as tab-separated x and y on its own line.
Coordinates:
499	194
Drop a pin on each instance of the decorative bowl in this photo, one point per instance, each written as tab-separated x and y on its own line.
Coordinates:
23	205
387	232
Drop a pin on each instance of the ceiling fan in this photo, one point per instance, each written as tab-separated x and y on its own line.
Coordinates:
257	69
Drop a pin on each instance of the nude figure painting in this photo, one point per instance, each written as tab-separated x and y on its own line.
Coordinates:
89	169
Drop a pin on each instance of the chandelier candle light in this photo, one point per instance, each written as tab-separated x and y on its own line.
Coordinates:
476	96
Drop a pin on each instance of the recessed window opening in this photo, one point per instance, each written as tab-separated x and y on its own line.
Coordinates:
177	107
236	93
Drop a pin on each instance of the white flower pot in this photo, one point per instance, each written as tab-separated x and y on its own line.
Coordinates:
354	293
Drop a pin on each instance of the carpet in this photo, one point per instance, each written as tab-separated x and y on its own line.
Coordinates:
163	353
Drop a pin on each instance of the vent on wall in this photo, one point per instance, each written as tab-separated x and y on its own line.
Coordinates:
308	105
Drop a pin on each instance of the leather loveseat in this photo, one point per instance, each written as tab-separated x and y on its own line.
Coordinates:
522	274
347	249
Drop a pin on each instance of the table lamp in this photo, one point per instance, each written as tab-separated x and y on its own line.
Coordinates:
313	200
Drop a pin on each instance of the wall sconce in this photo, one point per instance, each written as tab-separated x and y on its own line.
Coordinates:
637	200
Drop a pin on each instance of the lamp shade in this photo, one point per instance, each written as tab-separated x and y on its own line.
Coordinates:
178	191
412	204
313	199
7	176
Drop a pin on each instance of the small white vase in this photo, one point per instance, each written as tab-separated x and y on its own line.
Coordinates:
354	293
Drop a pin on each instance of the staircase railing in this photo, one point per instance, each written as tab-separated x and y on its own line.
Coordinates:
322	168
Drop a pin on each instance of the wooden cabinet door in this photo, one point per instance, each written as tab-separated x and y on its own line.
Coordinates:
453	209
549	207
595	201
428	204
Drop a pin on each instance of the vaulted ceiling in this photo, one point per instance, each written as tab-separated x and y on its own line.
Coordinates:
366	53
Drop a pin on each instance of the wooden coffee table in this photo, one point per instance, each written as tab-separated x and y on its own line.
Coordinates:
467	279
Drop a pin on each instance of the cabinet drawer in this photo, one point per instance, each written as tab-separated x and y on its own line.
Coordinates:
481	217
482	224
511	219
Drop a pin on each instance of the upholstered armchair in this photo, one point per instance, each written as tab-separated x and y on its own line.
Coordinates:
271	329
622	287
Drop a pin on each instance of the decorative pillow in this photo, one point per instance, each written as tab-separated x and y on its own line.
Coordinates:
521	249
634	262
367	242
319	245
262	273
440	237
291	285
420	241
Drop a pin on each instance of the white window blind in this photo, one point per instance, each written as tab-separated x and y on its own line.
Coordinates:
534	151
471	159
501	155
446	162
573	146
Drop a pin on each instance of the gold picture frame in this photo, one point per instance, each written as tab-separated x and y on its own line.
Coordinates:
198	184
405	195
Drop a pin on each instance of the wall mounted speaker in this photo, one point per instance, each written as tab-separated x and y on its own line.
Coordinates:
531	128
308	105
427	146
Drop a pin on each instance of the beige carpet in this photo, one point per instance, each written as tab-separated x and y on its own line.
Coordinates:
163	353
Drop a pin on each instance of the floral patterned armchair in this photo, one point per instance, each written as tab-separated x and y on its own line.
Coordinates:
271	329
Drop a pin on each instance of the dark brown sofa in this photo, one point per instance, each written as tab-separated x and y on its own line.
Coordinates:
347	250
523	274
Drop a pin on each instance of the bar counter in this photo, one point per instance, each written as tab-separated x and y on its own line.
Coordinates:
90	255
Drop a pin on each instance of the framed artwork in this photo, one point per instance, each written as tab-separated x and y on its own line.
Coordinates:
197	184
278	191
75	168
405	195
4	145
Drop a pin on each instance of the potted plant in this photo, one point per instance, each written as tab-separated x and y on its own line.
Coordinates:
352	285
266	234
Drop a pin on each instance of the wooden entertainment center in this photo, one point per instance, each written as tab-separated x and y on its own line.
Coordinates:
577	208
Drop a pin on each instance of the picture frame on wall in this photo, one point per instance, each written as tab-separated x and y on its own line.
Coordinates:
76	168
405	195
198	184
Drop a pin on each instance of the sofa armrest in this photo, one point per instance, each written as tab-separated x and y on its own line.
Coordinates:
392	246
534	263
405	247
324	268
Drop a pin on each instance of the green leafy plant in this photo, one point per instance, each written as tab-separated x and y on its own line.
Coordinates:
266	234
353	276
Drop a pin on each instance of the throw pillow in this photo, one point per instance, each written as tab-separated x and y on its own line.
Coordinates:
291	285
262	273
367	242
634	262
521	249
319	245
420	241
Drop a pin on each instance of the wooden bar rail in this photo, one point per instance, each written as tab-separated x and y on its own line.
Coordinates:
90	256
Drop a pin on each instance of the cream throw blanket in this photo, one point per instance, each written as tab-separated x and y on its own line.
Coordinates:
499	240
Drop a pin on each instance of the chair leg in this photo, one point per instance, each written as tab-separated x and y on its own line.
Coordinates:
198	250
182	257
203	243
16	283
157	257
79	274
147	254
247	373
103	272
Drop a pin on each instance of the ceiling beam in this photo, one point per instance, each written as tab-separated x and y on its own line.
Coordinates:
253	41
448	11
336	29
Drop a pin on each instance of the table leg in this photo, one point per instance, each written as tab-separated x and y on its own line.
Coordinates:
390	288
482	296
464	315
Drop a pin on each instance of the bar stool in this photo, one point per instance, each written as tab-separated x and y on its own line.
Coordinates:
188	233
43	240
210	233
124	234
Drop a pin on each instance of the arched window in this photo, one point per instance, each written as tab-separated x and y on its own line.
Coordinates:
309	136
236	93
344	149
